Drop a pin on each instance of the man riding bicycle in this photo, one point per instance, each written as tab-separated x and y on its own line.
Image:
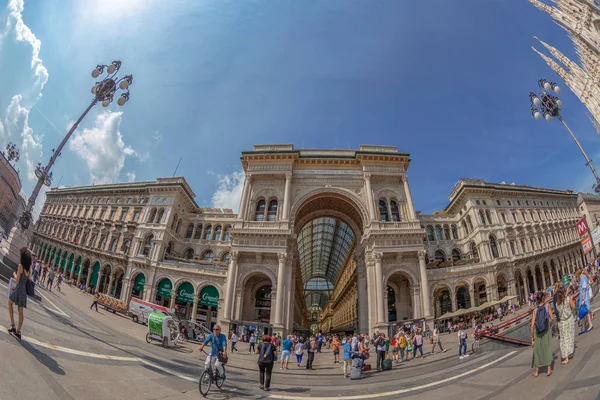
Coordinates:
218	343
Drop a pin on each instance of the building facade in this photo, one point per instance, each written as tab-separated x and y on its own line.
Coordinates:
581	20
324	239
12	200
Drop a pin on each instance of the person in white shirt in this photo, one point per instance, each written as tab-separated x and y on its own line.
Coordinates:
234	340
436	340
462	342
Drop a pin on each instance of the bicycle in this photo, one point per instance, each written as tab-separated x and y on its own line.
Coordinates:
209	375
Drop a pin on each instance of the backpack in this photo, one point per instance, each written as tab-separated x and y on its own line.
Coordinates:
541	320
266	355
403	341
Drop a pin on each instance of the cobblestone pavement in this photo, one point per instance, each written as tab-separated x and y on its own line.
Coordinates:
71	352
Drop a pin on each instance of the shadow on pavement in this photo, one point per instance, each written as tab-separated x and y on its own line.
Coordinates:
43	358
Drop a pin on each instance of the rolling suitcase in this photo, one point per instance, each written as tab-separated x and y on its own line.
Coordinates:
356	369
387	364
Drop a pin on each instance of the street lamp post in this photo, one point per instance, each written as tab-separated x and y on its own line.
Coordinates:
549	106
104	92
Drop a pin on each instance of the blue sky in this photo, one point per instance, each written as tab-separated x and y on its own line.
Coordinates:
446	81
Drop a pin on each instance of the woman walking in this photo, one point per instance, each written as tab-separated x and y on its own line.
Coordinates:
541	335
19	296
299	350
566	306
267	355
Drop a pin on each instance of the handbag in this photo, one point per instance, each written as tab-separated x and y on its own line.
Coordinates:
12	284
30	287
583	310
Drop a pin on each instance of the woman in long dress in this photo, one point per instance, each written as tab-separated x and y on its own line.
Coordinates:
566	307
542	342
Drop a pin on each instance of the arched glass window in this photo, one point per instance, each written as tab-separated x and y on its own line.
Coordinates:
272	212
454	232
113	245
207	256
190	231
446	232
174	221
198	231
208	232
430	236
125	246
455	255
474	251
151	216
438	233
466	229
489	216
259	215
160	215
439	255
218	231
383	210
147	245
494	246
188	254
227	234
226	257
469	223
395	211
482	216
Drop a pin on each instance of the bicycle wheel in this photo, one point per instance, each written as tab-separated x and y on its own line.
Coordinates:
205	382
218	380
475	346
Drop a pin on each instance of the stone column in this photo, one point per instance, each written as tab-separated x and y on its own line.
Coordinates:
89	275
409	201
512	287
172	300
363	316
370	296
280	290
424	285
472	296
229	294
195	307
287	199
125	291
244	199
535	288
379	297
369	196
453	300
110	282
148	293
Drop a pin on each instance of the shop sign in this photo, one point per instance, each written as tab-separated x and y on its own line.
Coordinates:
186	293
586	243
582	227
140	280
565	280
209	296
164	289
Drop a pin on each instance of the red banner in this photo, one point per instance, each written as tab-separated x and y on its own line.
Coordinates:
582	227
586	243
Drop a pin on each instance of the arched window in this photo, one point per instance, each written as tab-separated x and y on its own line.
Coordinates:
455	255
474	251
272	212
208	232
226	257
259	215
102	243
494	246
489	216
439	255
190	231
175	217
227	234
188	254
454	232
430	233
466	229
125	246
151	216
160	215
383	210
113	245
469	223
198	231
169	249
218	231
207	256
147	245
438	233
395	211
482	216
177	226
446	232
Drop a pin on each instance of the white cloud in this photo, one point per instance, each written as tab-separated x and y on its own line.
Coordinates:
39	202
130	176
229	191
15	127
102	148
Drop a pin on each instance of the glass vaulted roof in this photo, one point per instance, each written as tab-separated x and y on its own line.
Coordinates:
323	245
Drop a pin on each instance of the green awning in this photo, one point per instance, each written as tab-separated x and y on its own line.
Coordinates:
95	271
185	293
164	289
209	296
140	281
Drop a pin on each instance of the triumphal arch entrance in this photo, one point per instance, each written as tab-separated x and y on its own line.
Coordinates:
325	240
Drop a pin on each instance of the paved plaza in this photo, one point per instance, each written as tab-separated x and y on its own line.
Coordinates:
71	352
